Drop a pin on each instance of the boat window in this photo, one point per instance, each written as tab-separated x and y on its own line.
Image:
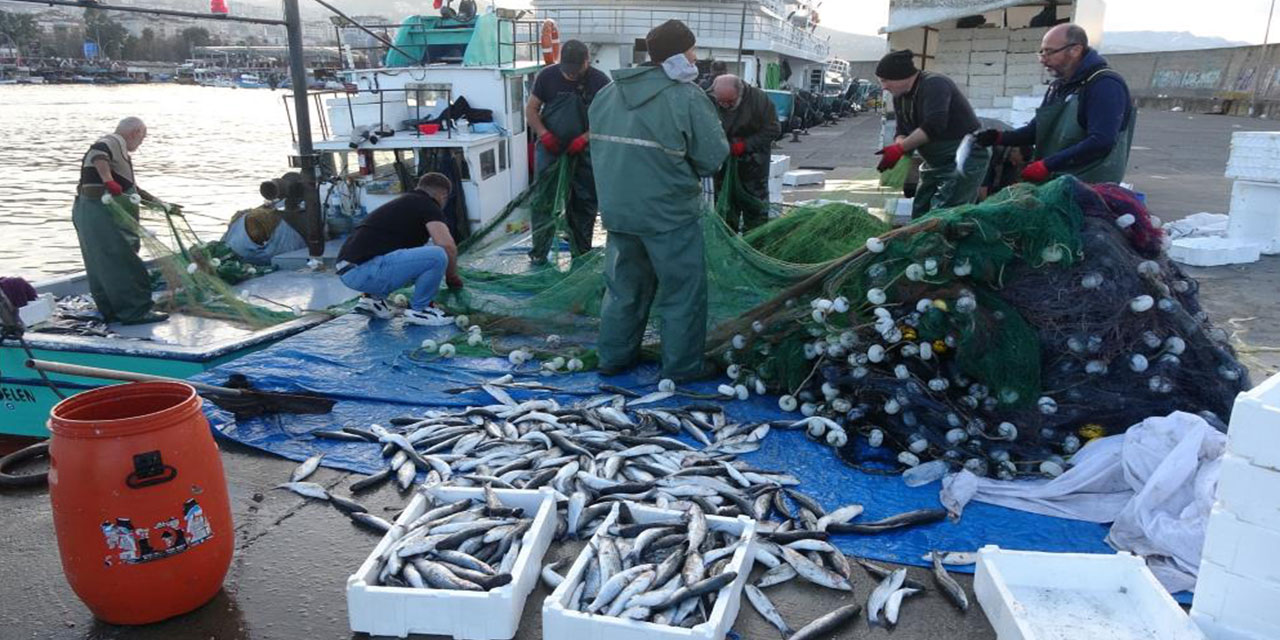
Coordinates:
515	104
488	165
428	100
502	154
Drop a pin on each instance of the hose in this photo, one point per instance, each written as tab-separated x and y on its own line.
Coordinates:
10	480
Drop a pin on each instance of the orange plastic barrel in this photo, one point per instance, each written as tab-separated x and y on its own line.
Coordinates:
139	501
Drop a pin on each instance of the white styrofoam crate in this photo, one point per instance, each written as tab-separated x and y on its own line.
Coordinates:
986	81
801	177
952	35
985	92
1213	251
1254	433
1015	68
1024	46
472	615
992	69
987	57
775	190
1217	631
898	210
1031	595
1251	493
1002	102
36	311
1029	34
560	623
954	47
778	165
1242	548
991	43
1236	602
1255	214
1026	102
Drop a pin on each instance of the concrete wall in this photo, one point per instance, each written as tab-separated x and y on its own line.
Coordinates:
1205	80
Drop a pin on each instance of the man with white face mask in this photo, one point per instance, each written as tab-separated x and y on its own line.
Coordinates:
654	135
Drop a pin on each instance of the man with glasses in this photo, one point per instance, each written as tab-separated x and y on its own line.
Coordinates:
750	123
557	114
1085	124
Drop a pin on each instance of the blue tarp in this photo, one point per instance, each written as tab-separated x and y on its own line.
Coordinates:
366	365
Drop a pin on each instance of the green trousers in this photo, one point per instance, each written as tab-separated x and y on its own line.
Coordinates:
940	185
580	211
668	272
118	279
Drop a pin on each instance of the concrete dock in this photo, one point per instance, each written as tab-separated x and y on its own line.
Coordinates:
287	581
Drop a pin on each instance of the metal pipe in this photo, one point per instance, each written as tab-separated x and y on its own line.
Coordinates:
742	35
312	221
162	12
1262	59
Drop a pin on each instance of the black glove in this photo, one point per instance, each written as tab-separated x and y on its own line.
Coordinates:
987	138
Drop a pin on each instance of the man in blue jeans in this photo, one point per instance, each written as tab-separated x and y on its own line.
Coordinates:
390	248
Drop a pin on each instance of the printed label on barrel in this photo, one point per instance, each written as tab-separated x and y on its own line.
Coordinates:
129	543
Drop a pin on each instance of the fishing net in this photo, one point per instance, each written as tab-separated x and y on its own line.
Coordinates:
896	176
195	277
816	233
997	336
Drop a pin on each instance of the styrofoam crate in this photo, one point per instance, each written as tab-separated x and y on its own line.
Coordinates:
1242	548
1251	493
987	57
1255	214
945	35
778	165
1002	102
560	623
991	43
986	81
36	311
1030	595
953	47
1217	631
1024	46
1029	34
898	210
473	615
1254	433
1023	68
984	92
1236	602
775	190
1213	251
992	71
801	177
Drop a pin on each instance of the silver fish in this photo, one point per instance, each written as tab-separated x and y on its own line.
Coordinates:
761	603
815	573
307	468
880	595
777	575
306	489
895	602
963	151
954	592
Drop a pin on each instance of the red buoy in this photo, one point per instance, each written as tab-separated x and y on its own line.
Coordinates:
139	501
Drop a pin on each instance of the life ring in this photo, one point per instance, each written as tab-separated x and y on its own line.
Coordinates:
550	41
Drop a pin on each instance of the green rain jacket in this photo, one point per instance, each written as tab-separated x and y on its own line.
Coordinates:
652	139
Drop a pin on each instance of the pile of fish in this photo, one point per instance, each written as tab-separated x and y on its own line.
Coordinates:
467	545
666	572
599	455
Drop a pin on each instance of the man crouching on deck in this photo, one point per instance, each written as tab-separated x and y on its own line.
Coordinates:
390	248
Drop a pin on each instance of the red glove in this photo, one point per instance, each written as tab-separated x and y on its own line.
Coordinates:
113	187
578	145
1036	172
454	282
892	154
738	148
550	142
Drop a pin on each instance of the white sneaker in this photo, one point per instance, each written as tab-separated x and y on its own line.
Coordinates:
375	307
430	317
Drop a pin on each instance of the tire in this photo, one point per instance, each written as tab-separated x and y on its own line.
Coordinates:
9	480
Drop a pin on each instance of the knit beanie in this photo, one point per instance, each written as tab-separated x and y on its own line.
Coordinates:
896	65
668	39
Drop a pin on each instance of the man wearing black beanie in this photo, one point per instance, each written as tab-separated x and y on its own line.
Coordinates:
654	136
932	118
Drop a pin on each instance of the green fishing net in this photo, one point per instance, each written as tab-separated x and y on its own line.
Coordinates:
816	233
195	277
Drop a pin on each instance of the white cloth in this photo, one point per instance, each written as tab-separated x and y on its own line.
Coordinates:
1155	483
679	68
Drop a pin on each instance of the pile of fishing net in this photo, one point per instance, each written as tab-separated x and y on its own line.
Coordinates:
815	233
195	277
998	337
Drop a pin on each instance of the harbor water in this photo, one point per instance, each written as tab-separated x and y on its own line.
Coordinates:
206	148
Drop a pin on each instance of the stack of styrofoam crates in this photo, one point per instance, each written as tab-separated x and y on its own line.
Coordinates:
952	57
1238	590
778	165
1254	163
986	66
1024	75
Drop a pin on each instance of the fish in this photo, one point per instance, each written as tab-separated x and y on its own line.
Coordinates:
777	575
656	396
881	573
306	489
813	572
761	603
899	521
963	151
371	481
880	595
827	625
948	585
370	521
952	558
346	505
892	607
841	515
308	467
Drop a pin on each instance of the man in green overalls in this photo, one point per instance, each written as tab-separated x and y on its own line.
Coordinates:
1085	124
655	134
932	119
118	279
557	114
751	125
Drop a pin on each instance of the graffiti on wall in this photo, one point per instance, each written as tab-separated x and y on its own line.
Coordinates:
1182	79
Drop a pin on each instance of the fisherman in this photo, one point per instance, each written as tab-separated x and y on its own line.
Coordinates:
118	279
390	248
655	135
1084	126
751	124
557	113
932	118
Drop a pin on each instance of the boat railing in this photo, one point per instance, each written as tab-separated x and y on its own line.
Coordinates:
722	26
320	113
517	39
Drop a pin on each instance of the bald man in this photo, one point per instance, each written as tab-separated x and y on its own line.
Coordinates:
750	124
1085	124
118	279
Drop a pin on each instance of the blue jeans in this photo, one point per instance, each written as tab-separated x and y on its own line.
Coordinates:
379	276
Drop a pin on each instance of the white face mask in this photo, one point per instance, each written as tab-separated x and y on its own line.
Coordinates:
679	68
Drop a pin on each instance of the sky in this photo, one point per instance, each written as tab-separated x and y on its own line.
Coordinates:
1243	20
